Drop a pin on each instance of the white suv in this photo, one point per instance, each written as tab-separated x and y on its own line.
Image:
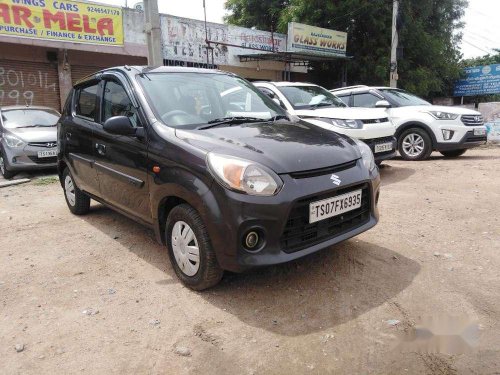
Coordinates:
318	106
420	126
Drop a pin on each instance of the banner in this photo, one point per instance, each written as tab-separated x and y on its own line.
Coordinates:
185	40
71	21
305	38
479	80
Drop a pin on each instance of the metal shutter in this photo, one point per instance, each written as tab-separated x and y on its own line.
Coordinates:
32	83
80	71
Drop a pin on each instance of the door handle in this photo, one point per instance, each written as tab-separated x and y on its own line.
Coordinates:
101	149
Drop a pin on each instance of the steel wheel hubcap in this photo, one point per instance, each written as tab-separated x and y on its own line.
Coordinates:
413	144
69	188
185	248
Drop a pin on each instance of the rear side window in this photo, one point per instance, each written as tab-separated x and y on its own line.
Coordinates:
86	101
365	100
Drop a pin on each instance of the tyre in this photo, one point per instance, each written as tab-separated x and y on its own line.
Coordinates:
78	202
3	167
415	144
190	250
453	153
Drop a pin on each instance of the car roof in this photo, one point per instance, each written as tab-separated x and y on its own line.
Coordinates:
138	69
285	84
357	88
24	107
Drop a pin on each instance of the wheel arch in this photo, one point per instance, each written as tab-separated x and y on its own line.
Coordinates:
420	125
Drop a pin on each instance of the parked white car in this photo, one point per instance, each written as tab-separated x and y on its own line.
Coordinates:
318	106
420	126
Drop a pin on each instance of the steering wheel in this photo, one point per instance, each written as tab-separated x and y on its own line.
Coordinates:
167	116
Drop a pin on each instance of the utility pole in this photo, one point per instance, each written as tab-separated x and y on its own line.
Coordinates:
394	44
153	32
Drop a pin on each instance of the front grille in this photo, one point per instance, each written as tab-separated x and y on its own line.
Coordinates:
38	160
323	171
472	120
43	144
375	121
299	234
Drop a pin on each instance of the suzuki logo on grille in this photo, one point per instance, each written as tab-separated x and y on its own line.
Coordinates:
51	145
336	179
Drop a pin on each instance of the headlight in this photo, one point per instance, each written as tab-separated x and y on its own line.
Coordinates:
346	124
366	154
13	141
443	115
243	175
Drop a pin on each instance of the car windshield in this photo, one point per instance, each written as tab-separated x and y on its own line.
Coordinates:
403	98
310	97
192	100
24	118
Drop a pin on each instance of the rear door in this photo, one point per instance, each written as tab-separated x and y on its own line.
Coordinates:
121	161
78	125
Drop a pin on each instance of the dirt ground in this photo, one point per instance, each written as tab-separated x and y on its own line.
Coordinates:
97	295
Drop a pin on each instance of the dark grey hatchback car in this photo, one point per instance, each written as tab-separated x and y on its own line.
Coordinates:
227	179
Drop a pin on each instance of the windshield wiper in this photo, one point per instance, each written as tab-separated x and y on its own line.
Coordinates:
321	104
231	120
35	126
278	117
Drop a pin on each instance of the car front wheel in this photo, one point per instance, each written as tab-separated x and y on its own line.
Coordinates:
78	202
415	144
453	153
3	167
190	250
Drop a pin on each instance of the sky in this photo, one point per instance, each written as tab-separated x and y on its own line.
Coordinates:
480	34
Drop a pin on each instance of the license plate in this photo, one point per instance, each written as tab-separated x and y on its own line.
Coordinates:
383	147
480	131
334	206
47	154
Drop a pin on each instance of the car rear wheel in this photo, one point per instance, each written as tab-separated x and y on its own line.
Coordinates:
190	250
3	167
453	153
78	202
415	144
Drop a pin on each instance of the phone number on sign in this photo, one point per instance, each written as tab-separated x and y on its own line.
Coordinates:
110	12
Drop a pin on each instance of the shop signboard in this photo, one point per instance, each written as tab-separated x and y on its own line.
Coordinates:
69	21
316	40
479	80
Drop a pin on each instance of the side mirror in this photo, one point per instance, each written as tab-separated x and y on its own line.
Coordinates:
277	101
383	104
119	125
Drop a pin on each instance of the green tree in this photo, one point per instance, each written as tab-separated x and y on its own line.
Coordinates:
429	37
482	60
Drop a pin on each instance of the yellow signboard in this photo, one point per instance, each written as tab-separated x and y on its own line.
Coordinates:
305	38
72	21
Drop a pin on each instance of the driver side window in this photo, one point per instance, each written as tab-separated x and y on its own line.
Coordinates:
117	103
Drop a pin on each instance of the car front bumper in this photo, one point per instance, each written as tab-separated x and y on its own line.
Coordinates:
385	155
26	158
468	140
282	221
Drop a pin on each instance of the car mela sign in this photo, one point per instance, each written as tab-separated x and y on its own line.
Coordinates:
479	80
312	39
71	21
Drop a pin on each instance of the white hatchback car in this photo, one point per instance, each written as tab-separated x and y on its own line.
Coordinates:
420	126
318	106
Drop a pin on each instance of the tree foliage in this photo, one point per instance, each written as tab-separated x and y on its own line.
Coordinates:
429	37
483	60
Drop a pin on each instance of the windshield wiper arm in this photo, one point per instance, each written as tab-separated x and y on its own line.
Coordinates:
321	104
230	120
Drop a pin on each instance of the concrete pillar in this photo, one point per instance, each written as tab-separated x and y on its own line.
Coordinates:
64	73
